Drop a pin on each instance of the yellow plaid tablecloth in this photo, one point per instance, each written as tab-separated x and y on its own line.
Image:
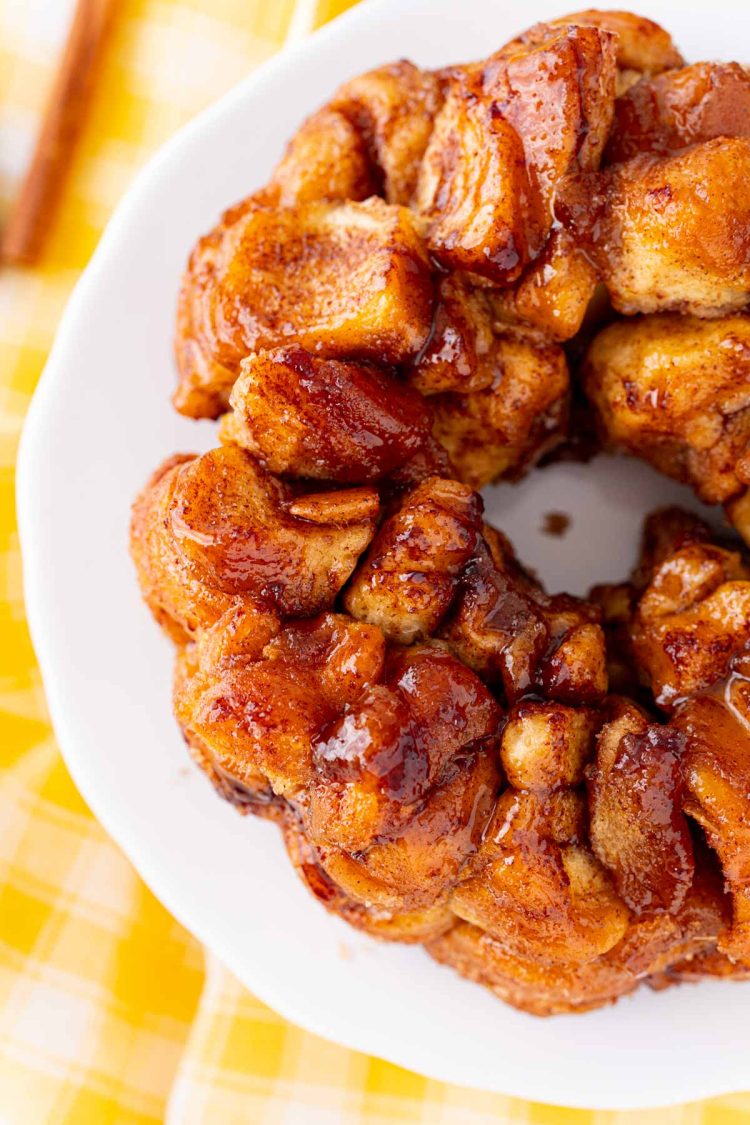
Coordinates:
109	1010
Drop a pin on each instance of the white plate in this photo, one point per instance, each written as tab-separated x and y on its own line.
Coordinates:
101	421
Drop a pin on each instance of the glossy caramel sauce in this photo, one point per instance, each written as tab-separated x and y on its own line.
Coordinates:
359	657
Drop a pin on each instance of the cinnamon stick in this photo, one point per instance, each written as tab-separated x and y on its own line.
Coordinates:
31	216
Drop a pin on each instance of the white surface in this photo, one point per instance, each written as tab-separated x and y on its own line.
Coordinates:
101	421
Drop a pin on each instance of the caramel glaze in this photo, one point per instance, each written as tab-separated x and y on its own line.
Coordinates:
308	262
691	644
680	108
347	423
382	762
660	217
638	829
387	739
505	627
362	660
716	727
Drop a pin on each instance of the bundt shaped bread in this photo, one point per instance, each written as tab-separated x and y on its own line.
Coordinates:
549	793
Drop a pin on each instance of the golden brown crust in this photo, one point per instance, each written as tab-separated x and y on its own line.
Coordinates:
637	827
518	638
393	109
306	417
554	292
675	390
255	697
406	783
692	617
691	631
348	280
385	760
408	579
499	431
215	528
359	658
679	108
506	136
661	234
179	601
460	355
649	946
545	746
641	45
538	889
326	159
717	778
388	925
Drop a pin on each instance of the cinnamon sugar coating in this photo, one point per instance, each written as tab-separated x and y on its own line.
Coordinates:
550	793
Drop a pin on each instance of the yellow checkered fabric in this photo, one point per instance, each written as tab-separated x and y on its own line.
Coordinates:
110	1011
